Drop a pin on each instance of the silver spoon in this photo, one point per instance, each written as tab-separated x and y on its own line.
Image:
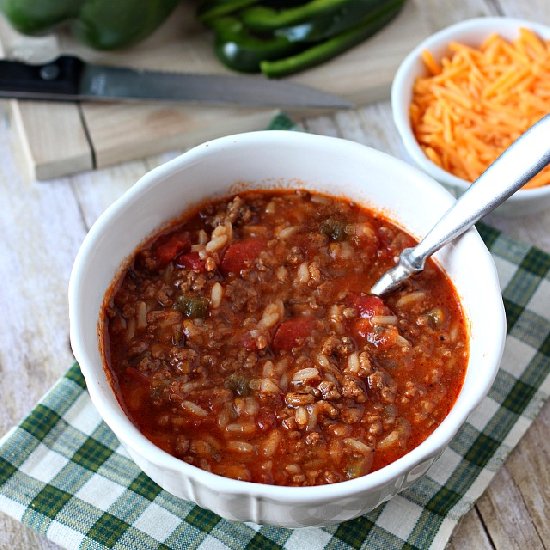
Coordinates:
525	158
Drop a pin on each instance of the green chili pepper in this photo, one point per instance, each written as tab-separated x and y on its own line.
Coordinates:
238	384
242	51
326	26
211	9
192	308
333	229
334	46
101	24
261	18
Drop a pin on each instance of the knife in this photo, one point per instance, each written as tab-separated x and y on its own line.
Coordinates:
69	78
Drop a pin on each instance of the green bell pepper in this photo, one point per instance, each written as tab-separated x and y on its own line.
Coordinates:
324	26
242	51
262	18
333	46
101	24
212	9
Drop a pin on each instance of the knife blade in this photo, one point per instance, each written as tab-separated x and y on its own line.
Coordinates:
69	78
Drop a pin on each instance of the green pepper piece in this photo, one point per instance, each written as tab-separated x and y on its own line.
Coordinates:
261	18
36	16
192	308
334	46
333	229
326	26
358	467
107	25
242	51
101	24
238	384
212	9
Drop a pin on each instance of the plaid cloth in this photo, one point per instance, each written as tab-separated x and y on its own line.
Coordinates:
64	473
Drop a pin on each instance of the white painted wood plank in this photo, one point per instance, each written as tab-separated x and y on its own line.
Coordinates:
533	10
51	135
529	467
505	515
41	230
469	533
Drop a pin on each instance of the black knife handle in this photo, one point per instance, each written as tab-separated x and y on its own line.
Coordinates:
57	79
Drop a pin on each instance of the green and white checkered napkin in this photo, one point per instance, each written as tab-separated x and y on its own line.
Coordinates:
64	473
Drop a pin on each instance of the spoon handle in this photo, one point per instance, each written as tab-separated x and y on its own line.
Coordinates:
527	156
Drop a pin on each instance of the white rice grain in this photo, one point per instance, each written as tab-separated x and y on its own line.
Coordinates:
268	386
216	296
353	363
281	273
268	369
240	447
141	319
216	244
131	328
408	299
203	237
302	276
305	374
193	408
357	445
229	230
272	314
323	361
241	427
301	416
287	232
312	420
218	239
384	320
401	341
271	442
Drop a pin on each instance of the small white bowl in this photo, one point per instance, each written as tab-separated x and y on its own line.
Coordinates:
471	32
283	159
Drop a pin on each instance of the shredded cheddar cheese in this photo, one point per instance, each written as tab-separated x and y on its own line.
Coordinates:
475	102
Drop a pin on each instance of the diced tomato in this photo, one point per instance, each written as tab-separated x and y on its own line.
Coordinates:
241	253
289	332
172	247
135	388
380	339
369	306
134	376
249	343
362	328
192	261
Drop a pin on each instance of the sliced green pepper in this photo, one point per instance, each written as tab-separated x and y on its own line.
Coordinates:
101	24
211	9
334	229
238	383
260	18
242	51
192	308
334	46
34	16
328	25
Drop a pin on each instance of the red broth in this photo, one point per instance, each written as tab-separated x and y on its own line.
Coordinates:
244	341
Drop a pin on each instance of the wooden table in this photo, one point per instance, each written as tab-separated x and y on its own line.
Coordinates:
42	226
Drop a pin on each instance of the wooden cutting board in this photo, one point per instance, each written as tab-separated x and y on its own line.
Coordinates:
60	139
